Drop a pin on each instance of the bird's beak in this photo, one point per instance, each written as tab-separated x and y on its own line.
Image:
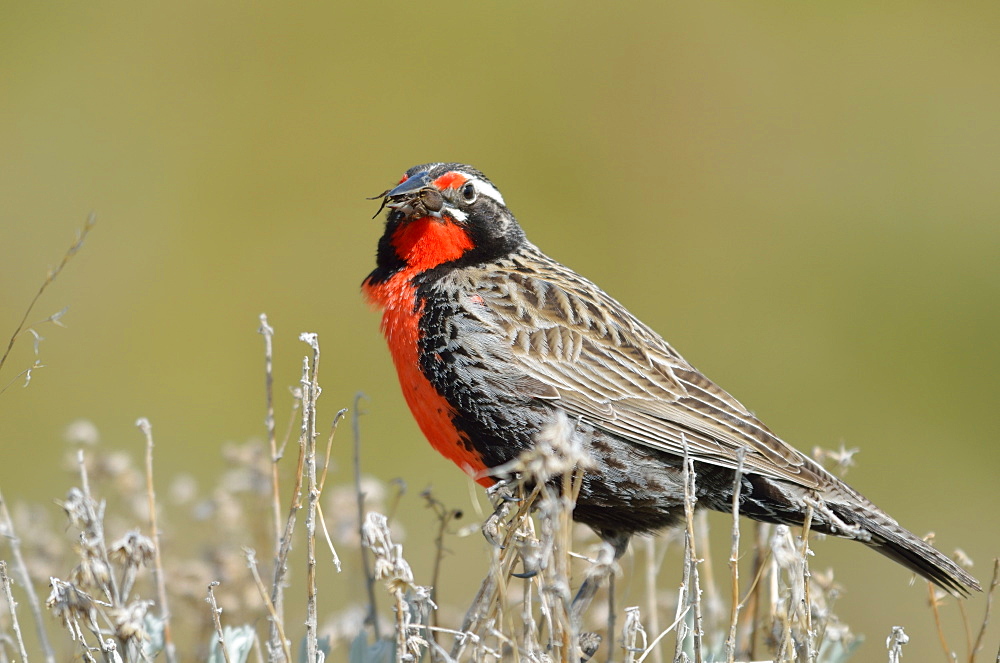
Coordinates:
409	187
417	196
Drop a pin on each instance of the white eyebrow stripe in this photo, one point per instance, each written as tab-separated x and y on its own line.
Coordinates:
487	189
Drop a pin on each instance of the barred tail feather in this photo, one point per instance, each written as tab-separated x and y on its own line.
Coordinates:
906	548
849	515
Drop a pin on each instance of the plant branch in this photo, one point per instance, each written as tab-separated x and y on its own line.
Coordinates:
49	278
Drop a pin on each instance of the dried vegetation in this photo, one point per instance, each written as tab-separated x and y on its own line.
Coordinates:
220	588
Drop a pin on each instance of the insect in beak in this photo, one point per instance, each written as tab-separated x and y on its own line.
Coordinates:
416	196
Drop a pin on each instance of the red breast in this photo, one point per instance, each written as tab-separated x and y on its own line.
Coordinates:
422	244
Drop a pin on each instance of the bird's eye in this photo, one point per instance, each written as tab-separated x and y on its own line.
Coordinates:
469	193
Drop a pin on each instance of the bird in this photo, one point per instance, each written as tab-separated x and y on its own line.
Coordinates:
493	341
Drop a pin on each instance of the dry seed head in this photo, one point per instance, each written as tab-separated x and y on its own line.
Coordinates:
894	643
842	458
109	646
69	603
129	621
375	534
789	559
557	451
78	509
92	572
389	562
133	549
783	547
633	633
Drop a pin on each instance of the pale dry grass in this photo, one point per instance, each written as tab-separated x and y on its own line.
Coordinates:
118	594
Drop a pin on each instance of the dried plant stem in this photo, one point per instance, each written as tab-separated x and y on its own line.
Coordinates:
310	393
503	619
438	556
568	622
529	627
322	482
488	599
496	612
571	493
806	599
114	596
710	592
276	622
21	569
652	605
786	649
283	543
217	619
372	617
393	568
445	517
734	559
966	626
268	333
480	604
689	502
326	535
681	616
329	446
474	613
752	602
292	418
281	559
683	606
986	615
49	278
6	582
612	614
932	597
632	632
450	631
275	608
158	575
691	589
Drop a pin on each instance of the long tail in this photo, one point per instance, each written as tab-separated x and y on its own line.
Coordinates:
887	537
847	514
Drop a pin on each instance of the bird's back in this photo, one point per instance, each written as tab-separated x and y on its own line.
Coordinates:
512	342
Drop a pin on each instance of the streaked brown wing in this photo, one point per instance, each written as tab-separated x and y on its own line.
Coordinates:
607	366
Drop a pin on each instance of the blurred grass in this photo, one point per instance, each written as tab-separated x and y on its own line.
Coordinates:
800	197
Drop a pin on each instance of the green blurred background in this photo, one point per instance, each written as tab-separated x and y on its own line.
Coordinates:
802	197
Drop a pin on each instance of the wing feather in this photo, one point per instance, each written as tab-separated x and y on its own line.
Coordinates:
574	343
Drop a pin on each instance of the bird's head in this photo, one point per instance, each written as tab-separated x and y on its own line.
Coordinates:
445	212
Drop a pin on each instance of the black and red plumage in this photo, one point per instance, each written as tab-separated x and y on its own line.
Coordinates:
492	340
